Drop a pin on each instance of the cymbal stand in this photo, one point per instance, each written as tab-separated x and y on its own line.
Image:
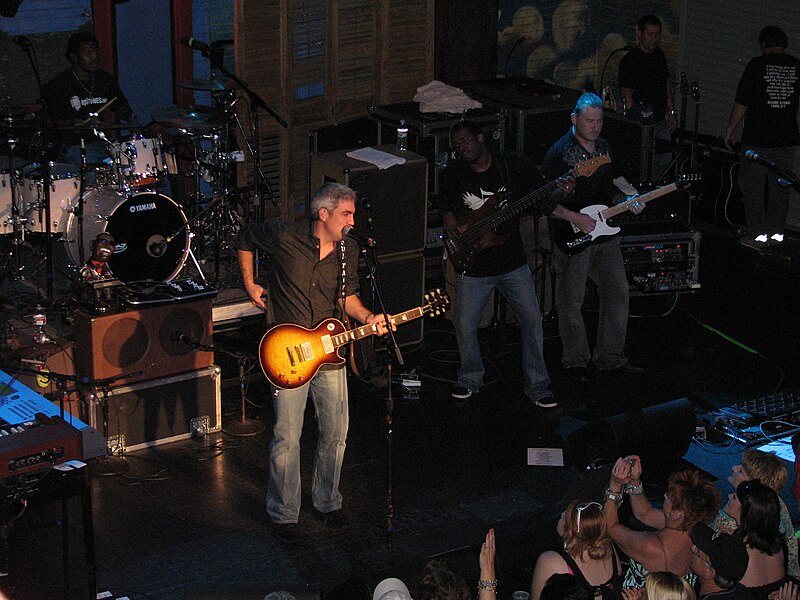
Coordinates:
17	219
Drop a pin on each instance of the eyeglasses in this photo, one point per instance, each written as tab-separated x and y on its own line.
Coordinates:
582	507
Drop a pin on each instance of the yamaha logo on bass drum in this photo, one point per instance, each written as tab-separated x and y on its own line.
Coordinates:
143	207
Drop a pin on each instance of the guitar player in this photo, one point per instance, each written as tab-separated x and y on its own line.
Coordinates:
469	192
305	287
601	261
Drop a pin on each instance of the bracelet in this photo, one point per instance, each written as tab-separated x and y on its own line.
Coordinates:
487	584
615	497
634	490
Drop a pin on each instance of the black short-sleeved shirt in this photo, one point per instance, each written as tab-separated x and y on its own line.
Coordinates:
303	289
646	74
770	88
463	190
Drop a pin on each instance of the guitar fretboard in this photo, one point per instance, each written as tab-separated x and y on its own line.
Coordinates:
351	335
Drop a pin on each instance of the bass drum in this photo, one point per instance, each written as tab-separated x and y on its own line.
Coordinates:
140	224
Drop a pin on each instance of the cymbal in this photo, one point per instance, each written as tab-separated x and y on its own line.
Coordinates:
194	117
98	125
209	85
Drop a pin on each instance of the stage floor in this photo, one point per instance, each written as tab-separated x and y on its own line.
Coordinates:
190	516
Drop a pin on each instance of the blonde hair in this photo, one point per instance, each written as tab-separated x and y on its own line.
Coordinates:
592	539
767	467
661	585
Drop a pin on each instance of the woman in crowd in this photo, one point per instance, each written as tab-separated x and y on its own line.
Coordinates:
756	509
772	472
588	553
689	499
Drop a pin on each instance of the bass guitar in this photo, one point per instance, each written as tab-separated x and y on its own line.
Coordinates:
478	227
601	214
290	355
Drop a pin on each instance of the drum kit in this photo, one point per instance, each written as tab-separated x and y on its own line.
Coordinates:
68	204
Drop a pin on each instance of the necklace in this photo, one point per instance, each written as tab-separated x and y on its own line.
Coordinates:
89	91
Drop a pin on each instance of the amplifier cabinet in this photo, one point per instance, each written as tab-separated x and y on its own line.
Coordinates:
429	133
157	411
662	263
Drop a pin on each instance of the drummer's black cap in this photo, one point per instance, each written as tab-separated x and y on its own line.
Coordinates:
103	236
75	41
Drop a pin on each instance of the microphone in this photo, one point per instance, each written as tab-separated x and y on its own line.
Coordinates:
362	239
157	249
177	336
759	158
194	44
22	41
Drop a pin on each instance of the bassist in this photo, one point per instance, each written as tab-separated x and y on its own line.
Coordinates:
472	187
600	261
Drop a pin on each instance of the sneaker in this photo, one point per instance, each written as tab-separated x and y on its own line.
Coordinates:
630	369
777	238
546	402
459	392
762	239
288	533
334	519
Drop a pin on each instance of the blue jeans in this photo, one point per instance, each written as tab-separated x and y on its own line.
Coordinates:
472	293
603	264
765	217
328	391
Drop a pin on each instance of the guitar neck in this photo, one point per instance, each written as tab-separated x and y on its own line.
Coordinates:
613	211
351	335
518	206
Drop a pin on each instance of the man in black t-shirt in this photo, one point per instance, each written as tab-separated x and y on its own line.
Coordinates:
767	99
643	74
473	188
74	94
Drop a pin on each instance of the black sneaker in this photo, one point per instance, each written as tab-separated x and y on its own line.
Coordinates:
459	392
578	373
630	369
547	402
288	533
334	519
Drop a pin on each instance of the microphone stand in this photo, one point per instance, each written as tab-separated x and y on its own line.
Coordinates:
255	102
605	65
373	265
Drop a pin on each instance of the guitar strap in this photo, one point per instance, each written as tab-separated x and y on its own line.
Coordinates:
343	283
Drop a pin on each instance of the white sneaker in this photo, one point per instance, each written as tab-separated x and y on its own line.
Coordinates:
777	237
762	238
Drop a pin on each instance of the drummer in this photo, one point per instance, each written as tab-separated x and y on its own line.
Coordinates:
73	95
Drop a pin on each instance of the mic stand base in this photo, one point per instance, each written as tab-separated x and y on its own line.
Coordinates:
244	427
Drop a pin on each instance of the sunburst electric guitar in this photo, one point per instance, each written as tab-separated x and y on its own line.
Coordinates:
290	355
478	228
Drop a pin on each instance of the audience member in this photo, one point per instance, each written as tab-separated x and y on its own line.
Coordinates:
757	511
661	585
772	472
689	499
440	582
720	561
563	586
588	553
391	588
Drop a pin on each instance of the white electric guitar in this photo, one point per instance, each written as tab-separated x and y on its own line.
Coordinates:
601	213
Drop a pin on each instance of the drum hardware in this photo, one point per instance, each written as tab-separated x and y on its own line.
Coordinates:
209	85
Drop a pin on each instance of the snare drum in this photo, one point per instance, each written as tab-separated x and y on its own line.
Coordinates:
142	161
140	225
64	189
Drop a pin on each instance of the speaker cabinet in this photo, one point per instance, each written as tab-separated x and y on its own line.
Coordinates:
402	279
144	340
392	203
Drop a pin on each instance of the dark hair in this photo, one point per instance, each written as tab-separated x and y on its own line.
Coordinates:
75	41
760	521
587	100
773	37
564	586
695	495
648	20
440	582
470	126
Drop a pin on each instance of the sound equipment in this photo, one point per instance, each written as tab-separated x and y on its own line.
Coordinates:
147	340
751	421
671	212
158	411
632	146
37	444
656	432
538	112
403	279
429	133
20	404
662	263
387	198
